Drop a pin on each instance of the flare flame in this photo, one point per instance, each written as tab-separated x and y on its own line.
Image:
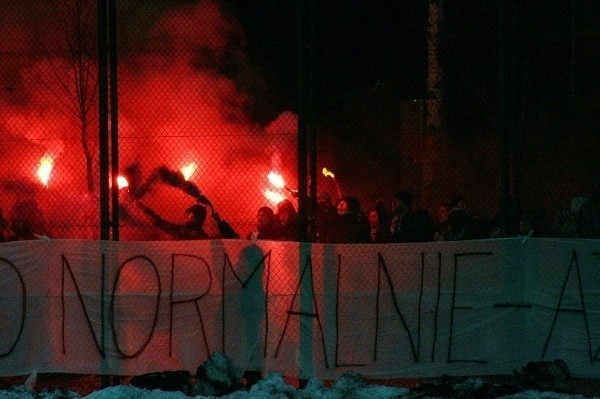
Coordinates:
274	196
122	182
188	170
45	168
328	173
276	179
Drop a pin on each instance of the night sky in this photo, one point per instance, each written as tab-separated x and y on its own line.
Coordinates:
358	47
370	57
362	46
370	62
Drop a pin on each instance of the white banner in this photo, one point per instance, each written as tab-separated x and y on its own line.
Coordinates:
394	310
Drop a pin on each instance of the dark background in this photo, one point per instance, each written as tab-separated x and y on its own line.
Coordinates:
519	99
540	76
358	48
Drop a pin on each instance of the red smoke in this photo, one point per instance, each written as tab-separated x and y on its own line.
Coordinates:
175	108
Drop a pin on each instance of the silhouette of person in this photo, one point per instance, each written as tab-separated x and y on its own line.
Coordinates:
267	225
193	228
6	232
252	306
325	217
288	217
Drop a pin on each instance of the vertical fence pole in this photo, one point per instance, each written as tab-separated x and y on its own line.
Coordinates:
302	119
517	117
104	158
312	129
508	113
114	128
114	116
502	125
103	119
305	330
304	126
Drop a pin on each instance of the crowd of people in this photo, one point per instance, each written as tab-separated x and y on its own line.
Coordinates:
347	221
26	222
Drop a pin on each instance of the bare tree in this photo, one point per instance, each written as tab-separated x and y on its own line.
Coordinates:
73	81
434	70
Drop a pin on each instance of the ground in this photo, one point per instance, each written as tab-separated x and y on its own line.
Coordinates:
85	384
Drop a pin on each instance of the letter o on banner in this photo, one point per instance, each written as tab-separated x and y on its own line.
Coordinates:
6	264
134	282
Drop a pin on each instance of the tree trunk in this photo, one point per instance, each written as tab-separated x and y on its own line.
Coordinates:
89	162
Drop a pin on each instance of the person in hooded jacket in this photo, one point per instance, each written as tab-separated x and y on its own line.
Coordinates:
193	228
325	216
402	219
378	232
350	225
267	225
288	218
407	225
6	231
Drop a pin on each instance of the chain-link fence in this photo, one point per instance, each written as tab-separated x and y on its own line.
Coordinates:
300	122
492	102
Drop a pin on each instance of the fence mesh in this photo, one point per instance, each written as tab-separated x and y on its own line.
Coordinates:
413	104
211	89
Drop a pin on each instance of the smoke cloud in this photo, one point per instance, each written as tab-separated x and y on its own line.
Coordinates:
179	102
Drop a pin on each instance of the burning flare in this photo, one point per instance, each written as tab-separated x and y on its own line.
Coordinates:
274	196
328	173
45	168
122	182
188	170
276	179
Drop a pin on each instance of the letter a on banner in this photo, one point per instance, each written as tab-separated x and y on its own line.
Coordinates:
303	313
573	265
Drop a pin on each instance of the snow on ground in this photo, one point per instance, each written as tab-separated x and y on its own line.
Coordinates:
272	386
217	375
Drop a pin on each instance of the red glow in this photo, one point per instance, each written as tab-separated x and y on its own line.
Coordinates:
122	182
328	173
276	179
274	196
198	126
45	168
188	170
